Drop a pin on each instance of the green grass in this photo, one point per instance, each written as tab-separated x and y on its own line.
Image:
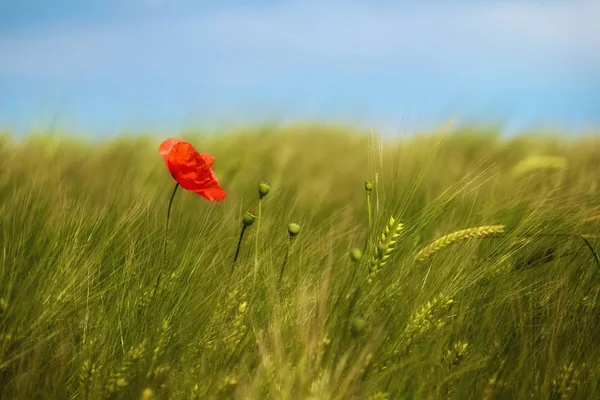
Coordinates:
507	316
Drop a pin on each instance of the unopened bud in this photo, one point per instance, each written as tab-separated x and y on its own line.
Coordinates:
358	325
263	188
249	219
148	394
355	254
293	229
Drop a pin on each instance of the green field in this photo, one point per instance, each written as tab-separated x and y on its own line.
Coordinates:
508	312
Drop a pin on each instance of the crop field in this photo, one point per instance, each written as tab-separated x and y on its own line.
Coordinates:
459	264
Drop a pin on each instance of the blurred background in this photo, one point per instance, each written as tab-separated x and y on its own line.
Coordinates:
103	67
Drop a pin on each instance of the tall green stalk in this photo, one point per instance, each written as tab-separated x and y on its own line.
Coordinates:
237	250
593	252
285	260
166	241
293	231
368	190
248	220
259	217
355	256
263	190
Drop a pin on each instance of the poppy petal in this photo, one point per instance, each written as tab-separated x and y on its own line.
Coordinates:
214	194
208	159
167	145
191	169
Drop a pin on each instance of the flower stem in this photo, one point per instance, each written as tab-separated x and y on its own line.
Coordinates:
353	299
166	242
584	238
368	236
258	218
285	260
569	235
237	251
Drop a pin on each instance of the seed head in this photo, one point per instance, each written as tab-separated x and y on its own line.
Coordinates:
249	219
293	230
263	188
355	254
369	186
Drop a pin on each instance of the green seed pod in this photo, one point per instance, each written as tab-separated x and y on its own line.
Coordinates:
369	186
148	394
358	325
355	254
249	219
293	229
263	188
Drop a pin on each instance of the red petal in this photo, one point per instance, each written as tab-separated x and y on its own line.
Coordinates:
191	169
213	194
208	159
167	145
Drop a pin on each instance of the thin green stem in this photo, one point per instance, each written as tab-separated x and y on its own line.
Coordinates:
570	235
369	214
237	250
349	283
258	218
355	268
594	253
285	261
166	241
564	235
351	305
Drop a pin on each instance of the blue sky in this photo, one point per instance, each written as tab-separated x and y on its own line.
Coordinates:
105	66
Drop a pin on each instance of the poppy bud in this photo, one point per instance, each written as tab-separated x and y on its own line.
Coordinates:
249	219
368	186
148	394
293	229
355	254
358	325
263	188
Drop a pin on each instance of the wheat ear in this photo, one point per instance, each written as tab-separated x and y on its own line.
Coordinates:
539	162
464	234
387	243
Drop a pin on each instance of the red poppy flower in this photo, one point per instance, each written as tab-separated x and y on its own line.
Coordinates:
191	169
